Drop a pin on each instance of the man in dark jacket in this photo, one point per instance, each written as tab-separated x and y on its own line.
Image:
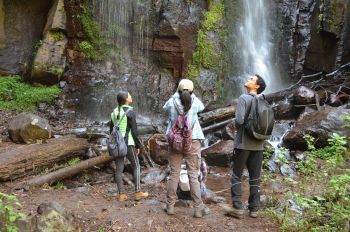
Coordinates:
247	151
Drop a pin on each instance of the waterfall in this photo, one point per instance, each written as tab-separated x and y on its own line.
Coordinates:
254	46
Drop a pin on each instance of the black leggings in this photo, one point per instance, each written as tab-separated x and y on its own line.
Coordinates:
119	163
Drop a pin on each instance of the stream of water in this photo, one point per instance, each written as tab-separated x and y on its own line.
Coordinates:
254	47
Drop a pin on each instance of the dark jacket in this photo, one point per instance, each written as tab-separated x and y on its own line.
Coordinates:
131	125
243	140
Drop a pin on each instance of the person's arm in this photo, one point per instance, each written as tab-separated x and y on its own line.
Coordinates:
133	128
240	113
111	125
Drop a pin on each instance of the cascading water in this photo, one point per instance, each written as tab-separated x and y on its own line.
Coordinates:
254	48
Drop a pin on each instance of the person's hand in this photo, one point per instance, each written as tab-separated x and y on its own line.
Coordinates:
137	151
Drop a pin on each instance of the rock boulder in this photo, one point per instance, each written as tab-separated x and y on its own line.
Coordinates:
159	149
152	176
304	95
27	126
230	131
51	220
321	125
219	154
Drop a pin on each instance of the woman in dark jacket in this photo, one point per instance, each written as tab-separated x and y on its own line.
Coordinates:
128	128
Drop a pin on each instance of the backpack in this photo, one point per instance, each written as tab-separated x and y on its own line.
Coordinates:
180	135
116	143
259	119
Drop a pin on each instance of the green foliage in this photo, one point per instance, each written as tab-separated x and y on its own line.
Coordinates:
101	230
18	96
205	55
58	35
59	185
36	48
6	211
330	209
57	70
100	43
347	118
267	154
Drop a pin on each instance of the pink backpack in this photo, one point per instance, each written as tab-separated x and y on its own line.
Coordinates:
180	135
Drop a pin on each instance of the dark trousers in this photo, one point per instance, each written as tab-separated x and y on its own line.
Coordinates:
253	160
119	163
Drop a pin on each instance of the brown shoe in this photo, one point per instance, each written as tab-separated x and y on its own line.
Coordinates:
122	197
233	211
140	195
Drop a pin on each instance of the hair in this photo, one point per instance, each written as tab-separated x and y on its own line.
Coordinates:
186	99
121	98
260	81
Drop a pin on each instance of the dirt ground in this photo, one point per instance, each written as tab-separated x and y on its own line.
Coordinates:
100	209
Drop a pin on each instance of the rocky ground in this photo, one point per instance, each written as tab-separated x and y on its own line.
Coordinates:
94	207
91	199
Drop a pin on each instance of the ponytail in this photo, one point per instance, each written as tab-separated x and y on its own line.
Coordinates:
121	98
186	100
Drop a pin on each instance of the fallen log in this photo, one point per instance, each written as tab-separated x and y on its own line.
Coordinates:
216	126
217	115
66	172
31	159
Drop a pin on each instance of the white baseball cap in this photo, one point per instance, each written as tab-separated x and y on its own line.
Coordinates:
185	84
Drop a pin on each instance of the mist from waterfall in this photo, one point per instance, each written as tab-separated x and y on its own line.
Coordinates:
254	47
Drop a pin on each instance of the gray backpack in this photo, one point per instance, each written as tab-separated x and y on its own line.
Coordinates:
116	143
260	119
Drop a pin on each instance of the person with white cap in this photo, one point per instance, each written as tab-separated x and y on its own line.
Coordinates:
187	102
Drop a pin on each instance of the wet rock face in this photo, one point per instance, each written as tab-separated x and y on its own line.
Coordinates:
316	33
27	127
50	60
21	29
305	112
304	95
219	154
321	125
159	149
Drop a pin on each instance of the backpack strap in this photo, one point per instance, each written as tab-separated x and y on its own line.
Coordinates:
121	118
247	115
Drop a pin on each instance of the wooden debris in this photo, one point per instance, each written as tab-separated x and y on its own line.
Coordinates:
66	172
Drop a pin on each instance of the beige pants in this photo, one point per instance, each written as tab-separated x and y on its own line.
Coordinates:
193	162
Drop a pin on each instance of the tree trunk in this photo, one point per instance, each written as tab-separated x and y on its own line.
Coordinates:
216	116
26	160
66	172
216	126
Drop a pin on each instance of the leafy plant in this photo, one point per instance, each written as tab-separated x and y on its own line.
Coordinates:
57	70
18	96
59	185
58	35
36	48
6	209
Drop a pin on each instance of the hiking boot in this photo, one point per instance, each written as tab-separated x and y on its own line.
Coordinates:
199	214
122	197
140	195
253	214
168	211
233	211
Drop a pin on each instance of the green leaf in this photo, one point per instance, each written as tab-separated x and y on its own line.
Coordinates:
12	218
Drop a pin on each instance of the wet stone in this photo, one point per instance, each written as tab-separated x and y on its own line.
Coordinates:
112	190
84	190
304	96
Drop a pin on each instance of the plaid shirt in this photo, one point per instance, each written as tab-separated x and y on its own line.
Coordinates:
203	172
192	117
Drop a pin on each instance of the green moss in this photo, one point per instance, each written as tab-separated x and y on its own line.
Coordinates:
99	47
205	55
18	96
57	70
58	35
